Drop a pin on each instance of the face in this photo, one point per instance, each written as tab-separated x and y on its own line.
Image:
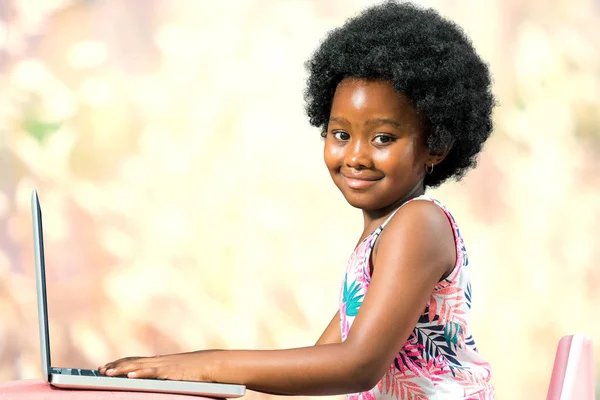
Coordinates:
375	145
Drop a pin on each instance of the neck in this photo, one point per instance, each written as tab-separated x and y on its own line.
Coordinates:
376	217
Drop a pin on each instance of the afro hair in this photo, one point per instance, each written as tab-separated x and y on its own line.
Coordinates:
425	57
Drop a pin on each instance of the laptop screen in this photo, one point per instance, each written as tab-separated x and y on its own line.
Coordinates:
40	277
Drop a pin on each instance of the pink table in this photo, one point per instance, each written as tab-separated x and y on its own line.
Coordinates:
40	390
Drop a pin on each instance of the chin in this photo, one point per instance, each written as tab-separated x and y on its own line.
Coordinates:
361	201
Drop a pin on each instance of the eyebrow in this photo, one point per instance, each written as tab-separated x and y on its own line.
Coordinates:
339	120
371	122
383	121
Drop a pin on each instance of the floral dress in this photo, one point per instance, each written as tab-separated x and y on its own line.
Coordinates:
439	360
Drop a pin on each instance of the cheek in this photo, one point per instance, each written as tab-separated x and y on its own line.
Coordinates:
333	155
397	160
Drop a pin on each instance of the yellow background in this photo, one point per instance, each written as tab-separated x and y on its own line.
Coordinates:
186	205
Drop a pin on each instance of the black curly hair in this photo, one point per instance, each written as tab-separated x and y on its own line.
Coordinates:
426	58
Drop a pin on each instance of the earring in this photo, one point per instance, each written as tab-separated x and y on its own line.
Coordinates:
429	169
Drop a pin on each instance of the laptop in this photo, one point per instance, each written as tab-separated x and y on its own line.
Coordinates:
573	371
76	378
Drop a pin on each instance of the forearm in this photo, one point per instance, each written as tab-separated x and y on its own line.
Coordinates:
323	370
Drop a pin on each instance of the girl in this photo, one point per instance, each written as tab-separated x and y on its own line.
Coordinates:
404	103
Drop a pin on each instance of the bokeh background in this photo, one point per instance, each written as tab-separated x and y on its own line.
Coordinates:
186	205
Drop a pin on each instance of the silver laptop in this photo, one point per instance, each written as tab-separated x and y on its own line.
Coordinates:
88	378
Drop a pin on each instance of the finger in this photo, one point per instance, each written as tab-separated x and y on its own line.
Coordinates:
152	373
112	364
124	369
102	370
115	364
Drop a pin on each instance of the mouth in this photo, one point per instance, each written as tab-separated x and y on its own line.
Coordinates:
359	183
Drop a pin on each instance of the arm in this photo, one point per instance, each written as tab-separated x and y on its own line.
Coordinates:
416	250
331	334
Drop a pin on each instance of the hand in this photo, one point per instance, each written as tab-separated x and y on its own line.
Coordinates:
194	366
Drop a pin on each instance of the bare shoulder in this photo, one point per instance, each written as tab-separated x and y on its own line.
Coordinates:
422	230
421	213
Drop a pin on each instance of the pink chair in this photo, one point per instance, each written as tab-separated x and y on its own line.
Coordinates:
573	372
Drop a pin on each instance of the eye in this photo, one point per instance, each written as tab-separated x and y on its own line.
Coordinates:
341	135
384	139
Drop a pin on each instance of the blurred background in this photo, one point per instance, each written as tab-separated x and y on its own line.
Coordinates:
186	205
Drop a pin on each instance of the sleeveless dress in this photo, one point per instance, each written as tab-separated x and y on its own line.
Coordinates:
439	360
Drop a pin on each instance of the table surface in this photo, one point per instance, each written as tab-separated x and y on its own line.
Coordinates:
37	389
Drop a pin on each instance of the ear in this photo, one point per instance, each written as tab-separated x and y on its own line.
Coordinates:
436	157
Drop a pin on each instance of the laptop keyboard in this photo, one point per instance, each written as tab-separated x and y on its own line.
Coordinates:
88	372
75	371
81	372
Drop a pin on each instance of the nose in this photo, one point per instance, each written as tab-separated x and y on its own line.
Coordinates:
358	155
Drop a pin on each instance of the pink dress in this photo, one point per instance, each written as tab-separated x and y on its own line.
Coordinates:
439	360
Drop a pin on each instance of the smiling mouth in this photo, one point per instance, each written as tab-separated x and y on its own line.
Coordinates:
359	183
